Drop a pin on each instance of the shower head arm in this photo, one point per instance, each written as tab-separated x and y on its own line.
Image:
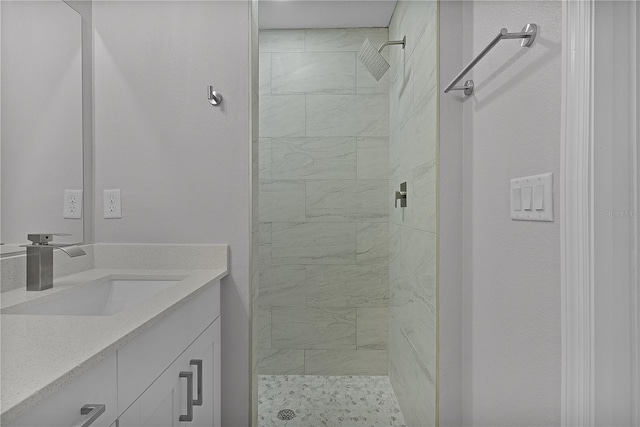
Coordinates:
403	42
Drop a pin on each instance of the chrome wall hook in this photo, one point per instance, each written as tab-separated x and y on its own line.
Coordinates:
214	97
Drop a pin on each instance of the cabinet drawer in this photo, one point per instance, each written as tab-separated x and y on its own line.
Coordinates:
142	360
96	386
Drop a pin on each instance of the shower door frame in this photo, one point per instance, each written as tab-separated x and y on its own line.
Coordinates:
577	220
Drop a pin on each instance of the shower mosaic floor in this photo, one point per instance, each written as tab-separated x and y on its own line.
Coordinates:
345	401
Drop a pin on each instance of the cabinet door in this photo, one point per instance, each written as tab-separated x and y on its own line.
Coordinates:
162	403
206	350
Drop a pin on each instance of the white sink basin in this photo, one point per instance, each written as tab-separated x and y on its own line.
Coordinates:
102	299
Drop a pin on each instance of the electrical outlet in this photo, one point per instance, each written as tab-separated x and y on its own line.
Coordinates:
112	204
72	204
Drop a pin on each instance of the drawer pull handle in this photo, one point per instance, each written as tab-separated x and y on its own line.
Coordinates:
92	412
198	364
189	376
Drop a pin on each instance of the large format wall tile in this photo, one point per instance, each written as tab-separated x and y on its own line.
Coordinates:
373	158
332	200
264	325
367	84
282	115
373	328
314	158
373	201
413	384
313	73
346	362
265	74
343	39
313	243
280	362
347	200
283	285
372	247
347	286
265	158
347	115
313	328
325	135
424	196
264	244
282	41
412	233
282	201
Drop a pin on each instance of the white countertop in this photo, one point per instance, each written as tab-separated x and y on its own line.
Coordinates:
42	353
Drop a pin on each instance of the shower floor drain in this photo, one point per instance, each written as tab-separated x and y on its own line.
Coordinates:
286	414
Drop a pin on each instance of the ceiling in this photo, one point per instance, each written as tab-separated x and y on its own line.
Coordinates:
281	14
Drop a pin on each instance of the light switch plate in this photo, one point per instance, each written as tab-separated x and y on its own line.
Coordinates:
72	204
112	204
529	188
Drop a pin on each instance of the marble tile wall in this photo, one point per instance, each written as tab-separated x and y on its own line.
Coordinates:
324	208
413	98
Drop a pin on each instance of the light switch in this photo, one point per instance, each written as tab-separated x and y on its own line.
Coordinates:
526	198
516	199
538	197
532	198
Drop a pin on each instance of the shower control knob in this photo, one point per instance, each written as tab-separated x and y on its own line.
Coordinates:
402	196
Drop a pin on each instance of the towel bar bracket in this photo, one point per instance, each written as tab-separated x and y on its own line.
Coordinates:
467	88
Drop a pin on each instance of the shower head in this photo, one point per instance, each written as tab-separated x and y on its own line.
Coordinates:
373	60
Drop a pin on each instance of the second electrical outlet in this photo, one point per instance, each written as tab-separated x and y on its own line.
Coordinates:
112	204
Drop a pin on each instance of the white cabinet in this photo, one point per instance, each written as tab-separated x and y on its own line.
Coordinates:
166	402
140	384
96	386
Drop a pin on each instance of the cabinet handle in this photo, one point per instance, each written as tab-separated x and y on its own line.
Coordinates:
198	364
189	376
92	412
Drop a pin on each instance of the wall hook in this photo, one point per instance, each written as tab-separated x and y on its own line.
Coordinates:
214	97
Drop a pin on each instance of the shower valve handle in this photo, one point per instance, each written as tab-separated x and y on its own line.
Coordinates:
402	196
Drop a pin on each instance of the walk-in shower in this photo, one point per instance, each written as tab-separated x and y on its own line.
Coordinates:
346	288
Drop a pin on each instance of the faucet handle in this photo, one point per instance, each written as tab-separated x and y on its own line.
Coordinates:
43	238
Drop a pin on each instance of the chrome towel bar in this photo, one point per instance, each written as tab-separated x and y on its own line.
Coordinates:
528	34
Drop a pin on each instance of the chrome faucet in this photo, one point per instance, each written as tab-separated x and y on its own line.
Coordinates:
40	259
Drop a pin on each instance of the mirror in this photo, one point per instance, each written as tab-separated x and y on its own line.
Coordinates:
41	120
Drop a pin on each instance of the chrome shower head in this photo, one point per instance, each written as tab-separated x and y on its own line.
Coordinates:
373	60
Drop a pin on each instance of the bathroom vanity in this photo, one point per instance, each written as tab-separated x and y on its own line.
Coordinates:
117	346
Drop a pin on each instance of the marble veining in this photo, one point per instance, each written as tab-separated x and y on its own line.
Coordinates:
342	39
313	158
347	286
346	401
313	243
281	200
313	328
282	115
326	72
344	115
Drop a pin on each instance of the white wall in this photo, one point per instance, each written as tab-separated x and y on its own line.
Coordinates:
183	166
511	270
450	219
615	214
